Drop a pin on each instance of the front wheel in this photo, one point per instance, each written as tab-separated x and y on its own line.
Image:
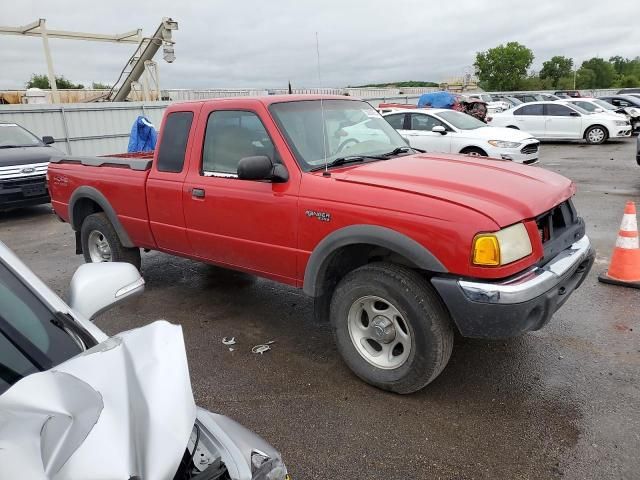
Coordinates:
391	328
100	242
596	135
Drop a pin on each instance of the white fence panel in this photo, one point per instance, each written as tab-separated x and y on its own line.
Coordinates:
84	129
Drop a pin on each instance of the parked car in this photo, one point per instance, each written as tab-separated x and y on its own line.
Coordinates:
528	97
74	403
395	247
571	93
638	150
493	105
595	105
448	131
23	165
512	101
629	104
548	97
629	91
563	96
554	121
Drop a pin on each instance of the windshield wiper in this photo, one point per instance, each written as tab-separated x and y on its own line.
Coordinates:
396	151
340	161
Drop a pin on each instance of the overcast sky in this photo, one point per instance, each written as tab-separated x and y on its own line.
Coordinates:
265	43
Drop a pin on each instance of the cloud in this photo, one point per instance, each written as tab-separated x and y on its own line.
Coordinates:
260	44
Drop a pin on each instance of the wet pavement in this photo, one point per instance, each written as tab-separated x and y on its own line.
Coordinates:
563	402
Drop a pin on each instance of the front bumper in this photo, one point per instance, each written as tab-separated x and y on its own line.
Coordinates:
23	192
624	131
519	304
527	153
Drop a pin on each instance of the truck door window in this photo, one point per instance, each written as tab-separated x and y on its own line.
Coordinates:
173	145
29	340
230	136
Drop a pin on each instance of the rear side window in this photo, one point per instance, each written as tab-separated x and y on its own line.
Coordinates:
555	110
174	141
396	120
530	110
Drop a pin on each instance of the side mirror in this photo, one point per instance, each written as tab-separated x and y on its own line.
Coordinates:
96	287
574	114
261	168
439	129
48	140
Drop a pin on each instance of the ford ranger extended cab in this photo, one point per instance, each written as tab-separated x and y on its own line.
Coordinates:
23	166
396	247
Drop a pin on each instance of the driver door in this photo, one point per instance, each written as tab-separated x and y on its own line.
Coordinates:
420	134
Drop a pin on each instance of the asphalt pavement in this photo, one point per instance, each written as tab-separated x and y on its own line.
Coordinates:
563	402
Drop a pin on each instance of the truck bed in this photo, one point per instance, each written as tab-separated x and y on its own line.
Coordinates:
119	178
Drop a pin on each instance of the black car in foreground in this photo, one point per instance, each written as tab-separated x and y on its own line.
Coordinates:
24	159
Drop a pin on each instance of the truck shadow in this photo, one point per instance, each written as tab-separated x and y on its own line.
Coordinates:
25	213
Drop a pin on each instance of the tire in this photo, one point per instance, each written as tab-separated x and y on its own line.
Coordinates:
100	242
419	319
474	151
596	135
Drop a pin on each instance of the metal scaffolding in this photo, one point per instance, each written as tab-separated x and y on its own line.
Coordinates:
145	50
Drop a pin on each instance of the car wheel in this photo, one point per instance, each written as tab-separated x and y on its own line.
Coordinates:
474	152
596	134
100	242
391	327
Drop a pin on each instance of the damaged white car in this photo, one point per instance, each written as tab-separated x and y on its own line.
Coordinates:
76	404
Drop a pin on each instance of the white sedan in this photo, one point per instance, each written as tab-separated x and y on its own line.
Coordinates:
448	131
555	121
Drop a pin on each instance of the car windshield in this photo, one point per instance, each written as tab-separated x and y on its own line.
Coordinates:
580	109
605	105
460	120
322	131
31	337
588	106
12	135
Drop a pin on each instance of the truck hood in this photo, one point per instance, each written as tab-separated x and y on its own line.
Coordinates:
26	155
503	191
122	409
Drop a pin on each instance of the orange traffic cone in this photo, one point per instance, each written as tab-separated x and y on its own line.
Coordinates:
625	262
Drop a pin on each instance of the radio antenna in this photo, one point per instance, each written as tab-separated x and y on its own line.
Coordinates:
324	126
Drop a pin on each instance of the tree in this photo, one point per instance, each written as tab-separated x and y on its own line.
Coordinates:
503	67
604	72
556	68
585	78
100	86
42	81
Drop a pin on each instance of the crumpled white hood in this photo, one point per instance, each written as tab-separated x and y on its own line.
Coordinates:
123	408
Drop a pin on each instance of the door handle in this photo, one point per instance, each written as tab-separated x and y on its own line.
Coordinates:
197	192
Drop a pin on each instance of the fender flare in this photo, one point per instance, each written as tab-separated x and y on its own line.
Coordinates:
369	234
97	196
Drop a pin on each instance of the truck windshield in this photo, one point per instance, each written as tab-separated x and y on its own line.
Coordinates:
351	128
12	135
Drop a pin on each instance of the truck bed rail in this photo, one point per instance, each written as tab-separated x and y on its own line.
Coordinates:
140	164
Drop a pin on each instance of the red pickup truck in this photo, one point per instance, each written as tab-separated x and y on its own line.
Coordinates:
397	248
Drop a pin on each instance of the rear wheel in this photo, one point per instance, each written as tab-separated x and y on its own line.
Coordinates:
391	328
100	242
596	135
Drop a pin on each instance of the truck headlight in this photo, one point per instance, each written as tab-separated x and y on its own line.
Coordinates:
621	123
502	247
263	467
504	144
